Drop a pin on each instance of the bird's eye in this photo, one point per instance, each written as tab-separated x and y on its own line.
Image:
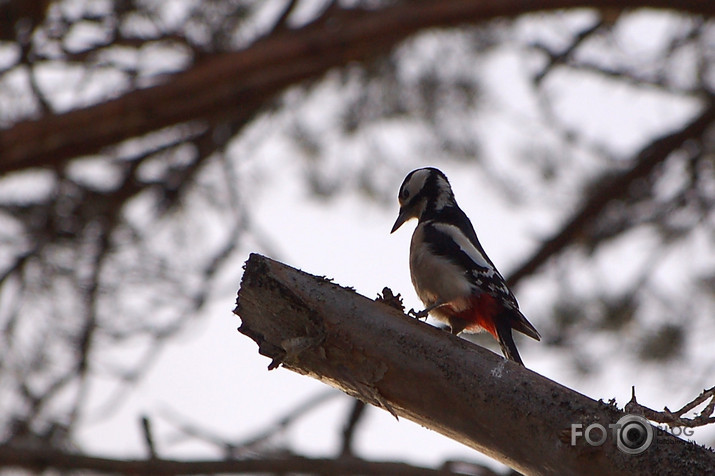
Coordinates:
405	194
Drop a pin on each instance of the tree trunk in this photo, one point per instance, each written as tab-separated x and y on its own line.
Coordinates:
376	353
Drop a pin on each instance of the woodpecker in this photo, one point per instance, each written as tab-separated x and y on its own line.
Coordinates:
451	273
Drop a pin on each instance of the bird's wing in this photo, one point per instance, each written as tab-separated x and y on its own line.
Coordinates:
449	241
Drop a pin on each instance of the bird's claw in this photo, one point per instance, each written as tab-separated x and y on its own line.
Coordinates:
418	315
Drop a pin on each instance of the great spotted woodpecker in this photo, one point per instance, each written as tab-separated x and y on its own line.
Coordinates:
451	273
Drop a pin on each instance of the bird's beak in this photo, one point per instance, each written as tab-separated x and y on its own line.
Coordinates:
401	218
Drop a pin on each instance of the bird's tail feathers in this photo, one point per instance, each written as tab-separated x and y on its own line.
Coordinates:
506	342
521	324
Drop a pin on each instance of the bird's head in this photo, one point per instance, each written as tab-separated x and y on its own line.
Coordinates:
425	189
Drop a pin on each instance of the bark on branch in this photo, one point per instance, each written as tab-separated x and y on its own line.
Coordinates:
376	353
236	85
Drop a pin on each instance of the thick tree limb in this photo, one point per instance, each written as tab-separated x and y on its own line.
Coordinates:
237	85
376	353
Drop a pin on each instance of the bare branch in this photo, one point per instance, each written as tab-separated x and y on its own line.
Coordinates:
238	84
558	58
286	420
356	412
43	459
676	418
378	354
253	444
646	161
148	437
282	21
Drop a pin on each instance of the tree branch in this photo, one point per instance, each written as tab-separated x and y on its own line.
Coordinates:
677	418
356	412
35	459
148	437
378	354
238	84
655	153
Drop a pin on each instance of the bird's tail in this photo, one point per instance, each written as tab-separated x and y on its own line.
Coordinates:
484	314
520	323
506	342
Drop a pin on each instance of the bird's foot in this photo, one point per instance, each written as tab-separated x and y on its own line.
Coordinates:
418	315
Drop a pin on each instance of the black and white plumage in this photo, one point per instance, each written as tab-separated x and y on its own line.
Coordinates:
451	273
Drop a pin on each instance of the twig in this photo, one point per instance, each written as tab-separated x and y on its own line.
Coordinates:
247	445
563	56
676	419
287	419
148	437
282	21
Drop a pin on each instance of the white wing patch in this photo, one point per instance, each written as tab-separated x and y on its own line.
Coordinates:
466	246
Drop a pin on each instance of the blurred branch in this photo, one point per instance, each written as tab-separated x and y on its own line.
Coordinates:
378	354
20	15
148	437
356	413
286	420
238	84
282	21
563	56
617	188
252	443
38	460
676	418
98	223
629	73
